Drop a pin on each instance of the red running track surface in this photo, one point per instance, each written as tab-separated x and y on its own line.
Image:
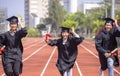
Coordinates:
39	59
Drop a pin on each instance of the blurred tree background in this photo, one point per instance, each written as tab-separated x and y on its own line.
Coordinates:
84	24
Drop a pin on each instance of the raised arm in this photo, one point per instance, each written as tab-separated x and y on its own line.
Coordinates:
23	31
52	42
78	39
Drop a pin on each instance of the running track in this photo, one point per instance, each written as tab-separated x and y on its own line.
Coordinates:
39	59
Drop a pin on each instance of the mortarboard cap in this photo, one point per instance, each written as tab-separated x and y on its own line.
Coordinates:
13	20
65	29
109	20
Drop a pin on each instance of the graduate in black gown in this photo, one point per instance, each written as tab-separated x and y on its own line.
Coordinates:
10	41
67	50
106	42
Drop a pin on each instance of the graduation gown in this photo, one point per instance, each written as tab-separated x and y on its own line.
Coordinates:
105	43
67	53
14	49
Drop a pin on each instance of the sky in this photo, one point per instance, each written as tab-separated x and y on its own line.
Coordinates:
15	7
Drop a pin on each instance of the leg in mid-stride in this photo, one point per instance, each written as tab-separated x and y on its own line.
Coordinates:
101	72
68	72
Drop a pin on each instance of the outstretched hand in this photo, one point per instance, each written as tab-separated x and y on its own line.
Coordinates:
107	55
47	41
47	38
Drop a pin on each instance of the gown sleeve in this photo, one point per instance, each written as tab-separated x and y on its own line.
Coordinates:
117	31
78	40
98	44
53	42
2	39
23	32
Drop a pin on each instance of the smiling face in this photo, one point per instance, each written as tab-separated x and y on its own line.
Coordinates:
108	26
65	35
13	27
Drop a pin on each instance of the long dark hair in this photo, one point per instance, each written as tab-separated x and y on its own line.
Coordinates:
99	30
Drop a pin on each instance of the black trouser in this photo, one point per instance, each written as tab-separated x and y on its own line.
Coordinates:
12	69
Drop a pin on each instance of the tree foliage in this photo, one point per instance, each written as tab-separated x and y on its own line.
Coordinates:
70	24
97	24
40	26
80	18
33	33
56	13
91	21
69	16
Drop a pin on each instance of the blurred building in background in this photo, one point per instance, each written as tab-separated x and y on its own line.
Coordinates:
70	5
86	5
3	17
35	12
117	3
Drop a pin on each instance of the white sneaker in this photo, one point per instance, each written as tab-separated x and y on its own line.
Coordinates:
101	72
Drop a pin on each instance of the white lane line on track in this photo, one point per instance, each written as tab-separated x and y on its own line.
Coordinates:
48	62
31	55
96	56
89	51
80	73
90	43
34	52
30	42
33	45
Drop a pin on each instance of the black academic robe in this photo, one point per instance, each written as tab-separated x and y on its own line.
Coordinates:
106	42
67	53
14	49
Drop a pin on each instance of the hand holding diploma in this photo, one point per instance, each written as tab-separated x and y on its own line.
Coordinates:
48	35
113	53
2	49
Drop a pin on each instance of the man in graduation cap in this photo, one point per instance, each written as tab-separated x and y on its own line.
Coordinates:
67	50
106	42
12	48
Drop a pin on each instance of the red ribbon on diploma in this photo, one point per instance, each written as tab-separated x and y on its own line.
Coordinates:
47	36
114	52
1	50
